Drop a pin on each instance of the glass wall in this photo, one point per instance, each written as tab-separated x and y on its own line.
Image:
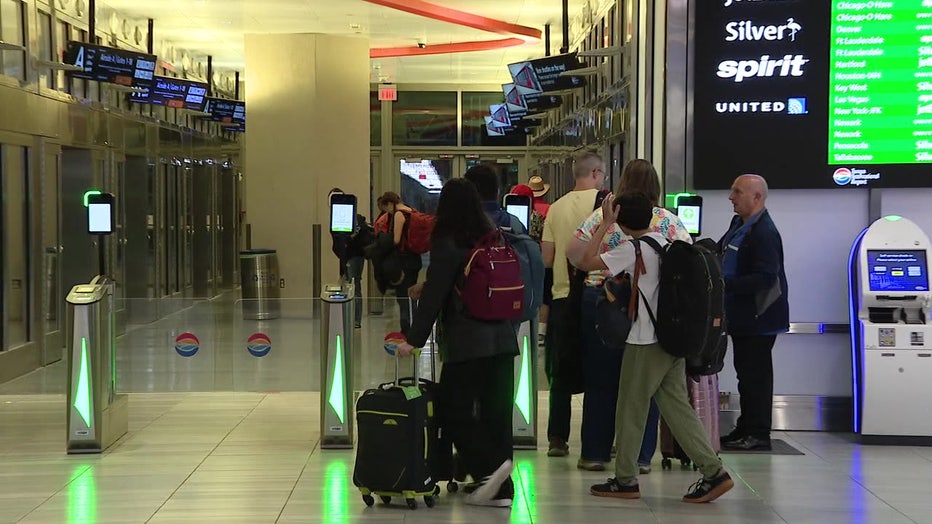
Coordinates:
424	118
422	181
13	31
475	109
375	119
14	231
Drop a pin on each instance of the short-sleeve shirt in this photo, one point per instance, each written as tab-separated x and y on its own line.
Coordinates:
664	222
562	220
622	258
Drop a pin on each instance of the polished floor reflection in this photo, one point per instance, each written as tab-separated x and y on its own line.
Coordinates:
254	457
230	446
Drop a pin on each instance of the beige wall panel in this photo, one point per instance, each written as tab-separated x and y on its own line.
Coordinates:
308	113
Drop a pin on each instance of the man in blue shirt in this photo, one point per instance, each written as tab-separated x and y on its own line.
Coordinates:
756	307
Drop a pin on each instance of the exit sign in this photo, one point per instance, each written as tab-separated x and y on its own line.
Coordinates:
388	92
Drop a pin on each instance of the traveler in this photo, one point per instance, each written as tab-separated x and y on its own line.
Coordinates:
476	389
756	307
562	347
391	204
602	364
486	181
646	369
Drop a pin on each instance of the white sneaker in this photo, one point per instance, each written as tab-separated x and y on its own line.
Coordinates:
486	492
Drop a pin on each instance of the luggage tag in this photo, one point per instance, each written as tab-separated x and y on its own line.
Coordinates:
411	392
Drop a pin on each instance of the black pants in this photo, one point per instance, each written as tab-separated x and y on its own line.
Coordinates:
476	399
754	365
563	371
411	265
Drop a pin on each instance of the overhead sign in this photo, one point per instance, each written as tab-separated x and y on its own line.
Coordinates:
225	110
108	64
813	94
174	92
542	75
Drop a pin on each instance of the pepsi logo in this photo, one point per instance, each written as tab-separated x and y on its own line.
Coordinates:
842	176
259	345
186	344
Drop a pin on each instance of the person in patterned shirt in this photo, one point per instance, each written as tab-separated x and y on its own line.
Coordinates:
602	364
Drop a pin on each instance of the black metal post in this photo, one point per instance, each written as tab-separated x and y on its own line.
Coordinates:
101	255
546	39
150	38
566	27
236	85
92	21
210	75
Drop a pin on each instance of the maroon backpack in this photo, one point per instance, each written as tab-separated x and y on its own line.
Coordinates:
492	288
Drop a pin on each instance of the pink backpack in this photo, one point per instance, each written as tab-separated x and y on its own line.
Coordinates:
492	288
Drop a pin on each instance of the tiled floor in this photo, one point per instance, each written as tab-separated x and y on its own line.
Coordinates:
253	457
240	456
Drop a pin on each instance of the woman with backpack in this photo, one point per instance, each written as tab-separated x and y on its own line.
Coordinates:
476	387
397	212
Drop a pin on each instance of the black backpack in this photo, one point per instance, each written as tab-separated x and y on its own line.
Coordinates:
690	320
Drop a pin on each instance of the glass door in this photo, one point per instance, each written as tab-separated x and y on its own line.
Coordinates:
52	298
421	178
15	284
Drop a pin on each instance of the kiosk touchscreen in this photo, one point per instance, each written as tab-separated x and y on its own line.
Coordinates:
342	213
689	210
519	206
891	333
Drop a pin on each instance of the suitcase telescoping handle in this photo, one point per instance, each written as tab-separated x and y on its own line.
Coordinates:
431	344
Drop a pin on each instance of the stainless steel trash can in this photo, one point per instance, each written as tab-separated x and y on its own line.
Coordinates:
259	279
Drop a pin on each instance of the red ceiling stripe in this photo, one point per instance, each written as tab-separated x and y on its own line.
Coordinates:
439	49
455	16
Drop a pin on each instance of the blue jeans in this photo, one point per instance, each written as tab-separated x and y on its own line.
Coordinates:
354	272
602	369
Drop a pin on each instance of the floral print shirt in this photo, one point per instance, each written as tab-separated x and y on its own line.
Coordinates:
664	222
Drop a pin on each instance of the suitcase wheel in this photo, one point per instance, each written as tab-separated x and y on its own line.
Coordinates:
452	487
429	501
412	503
666	464
685	463
436	489
695	467
385	499
368	500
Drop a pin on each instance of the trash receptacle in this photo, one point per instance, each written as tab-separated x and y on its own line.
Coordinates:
259	279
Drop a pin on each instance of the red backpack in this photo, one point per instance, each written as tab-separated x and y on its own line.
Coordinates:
417	230
492	288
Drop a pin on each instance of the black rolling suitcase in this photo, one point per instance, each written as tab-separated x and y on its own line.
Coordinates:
399	450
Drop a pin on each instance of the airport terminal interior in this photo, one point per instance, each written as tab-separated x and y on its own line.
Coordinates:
176	342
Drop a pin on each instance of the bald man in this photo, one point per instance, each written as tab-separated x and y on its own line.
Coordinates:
756	307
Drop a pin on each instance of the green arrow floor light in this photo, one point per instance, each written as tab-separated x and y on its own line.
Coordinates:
336	399
523	395
82	398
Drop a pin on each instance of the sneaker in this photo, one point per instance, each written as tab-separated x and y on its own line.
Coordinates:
613	489
470	487
644	470
558	448
707	490
489	492
590	465
748	443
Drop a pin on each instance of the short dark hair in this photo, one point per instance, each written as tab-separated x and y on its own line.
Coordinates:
636	210
389	197
486	181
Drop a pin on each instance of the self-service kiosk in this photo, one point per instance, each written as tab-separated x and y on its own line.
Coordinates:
891	335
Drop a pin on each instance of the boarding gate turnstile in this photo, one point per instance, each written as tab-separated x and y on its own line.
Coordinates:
336	388
524	417
96	415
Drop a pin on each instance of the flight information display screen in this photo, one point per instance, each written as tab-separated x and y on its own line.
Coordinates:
813	93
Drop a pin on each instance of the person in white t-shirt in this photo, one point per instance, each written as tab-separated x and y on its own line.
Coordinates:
647	370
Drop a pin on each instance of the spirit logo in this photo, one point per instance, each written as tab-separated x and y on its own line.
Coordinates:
740	70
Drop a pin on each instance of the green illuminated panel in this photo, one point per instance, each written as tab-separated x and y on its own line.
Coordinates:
82	498
880	98
335	498
336	399
523	394
82	397
88	194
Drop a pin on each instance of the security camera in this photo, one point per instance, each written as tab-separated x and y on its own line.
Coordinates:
422	44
